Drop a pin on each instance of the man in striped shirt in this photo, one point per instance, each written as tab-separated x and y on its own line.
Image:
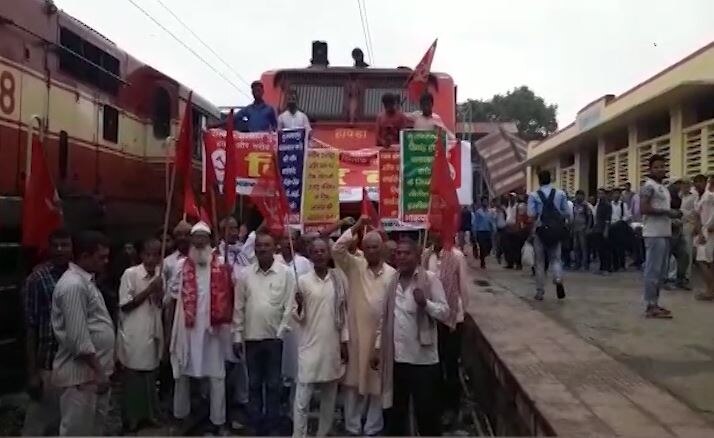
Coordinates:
42	415
85	339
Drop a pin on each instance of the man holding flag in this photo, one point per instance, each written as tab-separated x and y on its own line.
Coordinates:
449	264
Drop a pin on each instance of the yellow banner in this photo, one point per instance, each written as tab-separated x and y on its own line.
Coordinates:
321	203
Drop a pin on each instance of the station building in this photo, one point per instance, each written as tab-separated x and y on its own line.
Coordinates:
608	144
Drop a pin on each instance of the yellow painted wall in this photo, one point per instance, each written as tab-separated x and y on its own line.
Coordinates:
81	115
698	68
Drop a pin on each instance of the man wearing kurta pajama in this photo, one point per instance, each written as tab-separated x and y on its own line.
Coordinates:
321	329
369	278
201	330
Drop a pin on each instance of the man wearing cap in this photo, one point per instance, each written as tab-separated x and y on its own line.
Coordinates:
202	288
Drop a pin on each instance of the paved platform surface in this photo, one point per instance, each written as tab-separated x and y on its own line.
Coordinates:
592	363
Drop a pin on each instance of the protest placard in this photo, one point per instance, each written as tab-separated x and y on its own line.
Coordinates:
417	156
291	161
321	187
254	150
389	163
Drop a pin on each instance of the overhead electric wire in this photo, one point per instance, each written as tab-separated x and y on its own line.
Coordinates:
210	49
143	11
369	32
364	32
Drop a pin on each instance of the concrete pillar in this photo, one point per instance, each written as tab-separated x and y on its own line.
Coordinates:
632	162
556	178
676	142
582	170
529	178
600	161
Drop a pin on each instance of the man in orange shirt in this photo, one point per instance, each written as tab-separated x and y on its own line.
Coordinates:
390	121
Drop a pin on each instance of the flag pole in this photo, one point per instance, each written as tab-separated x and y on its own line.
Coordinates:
171	185
214	210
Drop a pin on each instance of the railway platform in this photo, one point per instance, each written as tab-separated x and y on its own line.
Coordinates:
591	364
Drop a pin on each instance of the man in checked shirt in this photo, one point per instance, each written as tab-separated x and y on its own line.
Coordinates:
42	414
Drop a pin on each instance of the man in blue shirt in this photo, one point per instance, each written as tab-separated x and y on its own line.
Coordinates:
483	227
541	250
258	116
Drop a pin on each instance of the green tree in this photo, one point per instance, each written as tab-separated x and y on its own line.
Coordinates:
534	118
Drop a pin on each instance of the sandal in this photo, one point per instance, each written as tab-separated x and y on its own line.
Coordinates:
656	312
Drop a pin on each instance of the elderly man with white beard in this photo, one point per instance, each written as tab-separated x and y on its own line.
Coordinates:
203	290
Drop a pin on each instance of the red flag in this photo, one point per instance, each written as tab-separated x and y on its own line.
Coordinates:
269	197
41	211
444	203
185	142
190	207
231	168
368	210
418	81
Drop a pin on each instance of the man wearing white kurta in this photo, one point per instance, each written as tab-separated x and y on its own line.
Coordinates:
320	312
259	318
201	329
369	278
140	335
299	266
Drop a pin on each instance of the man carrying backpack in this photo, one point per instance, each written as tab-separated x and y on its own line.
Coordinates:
548	208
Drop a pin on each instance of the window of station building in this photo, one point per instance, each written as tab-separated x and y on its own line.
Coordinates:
110	124
161	117
88	63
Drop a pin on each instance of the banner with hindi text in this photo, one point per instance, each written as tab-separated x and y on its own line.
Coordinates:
254	151
321	204
417	156
291	162
389	164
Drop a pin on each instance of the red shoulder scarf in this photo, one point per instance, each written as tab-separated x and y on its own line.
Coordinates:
221	292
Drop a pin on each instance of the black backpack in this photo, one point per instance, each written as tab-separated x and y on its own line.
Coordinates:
552	229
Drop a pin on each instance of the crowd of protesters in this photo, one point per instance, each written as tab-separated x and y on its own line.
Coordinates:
257	324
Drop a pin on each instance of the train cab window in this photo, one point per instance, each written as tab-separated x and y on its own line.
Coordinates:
110	130
162	114
63	161
88	62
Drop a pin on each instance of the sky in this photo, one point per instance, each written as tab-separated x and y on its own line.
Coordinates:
570	52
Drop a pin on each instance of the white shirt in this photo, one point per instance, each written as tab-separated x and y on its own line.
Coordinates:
407	348
302	264
319	340
288	120
511	214
689	206
620	212
428	123
434	265
140	332
170	269
659	225
705	207
261	306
